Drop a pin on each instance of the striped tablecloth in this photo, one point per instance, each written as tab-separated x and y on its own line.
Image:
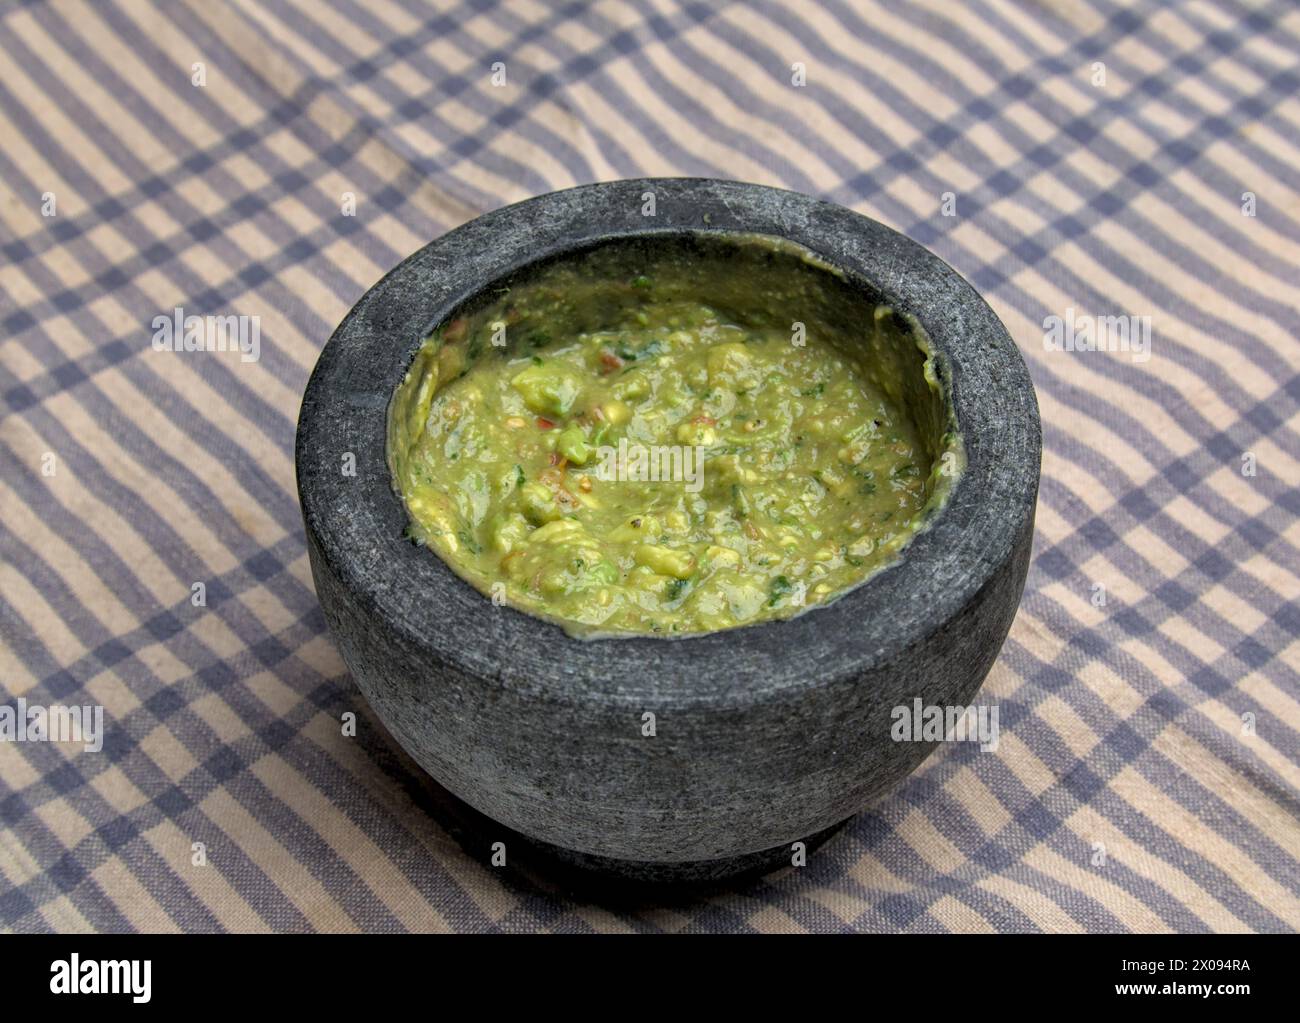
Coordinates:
1128	167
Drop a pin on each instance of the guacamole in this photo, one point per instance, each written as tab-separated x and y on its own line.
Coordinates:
672	439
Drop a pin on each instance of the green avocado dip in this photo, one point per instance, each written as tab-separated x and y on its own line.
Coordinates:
673	436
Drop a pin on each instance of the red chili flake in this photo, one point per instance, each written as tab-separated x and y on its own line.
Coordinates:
706	420
544	424
610	361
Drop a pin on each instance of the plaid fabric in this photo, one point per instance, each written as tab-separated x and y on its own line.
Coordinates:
1148	770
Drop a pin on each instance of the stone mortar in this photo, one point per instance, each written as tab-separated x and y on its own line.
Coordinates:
766	734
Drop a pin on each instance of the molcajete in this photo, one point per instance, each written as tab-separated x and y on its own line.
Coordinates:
660	755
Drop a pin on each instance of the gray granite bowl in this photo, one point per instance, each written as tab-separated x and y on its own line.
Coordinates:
764	735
